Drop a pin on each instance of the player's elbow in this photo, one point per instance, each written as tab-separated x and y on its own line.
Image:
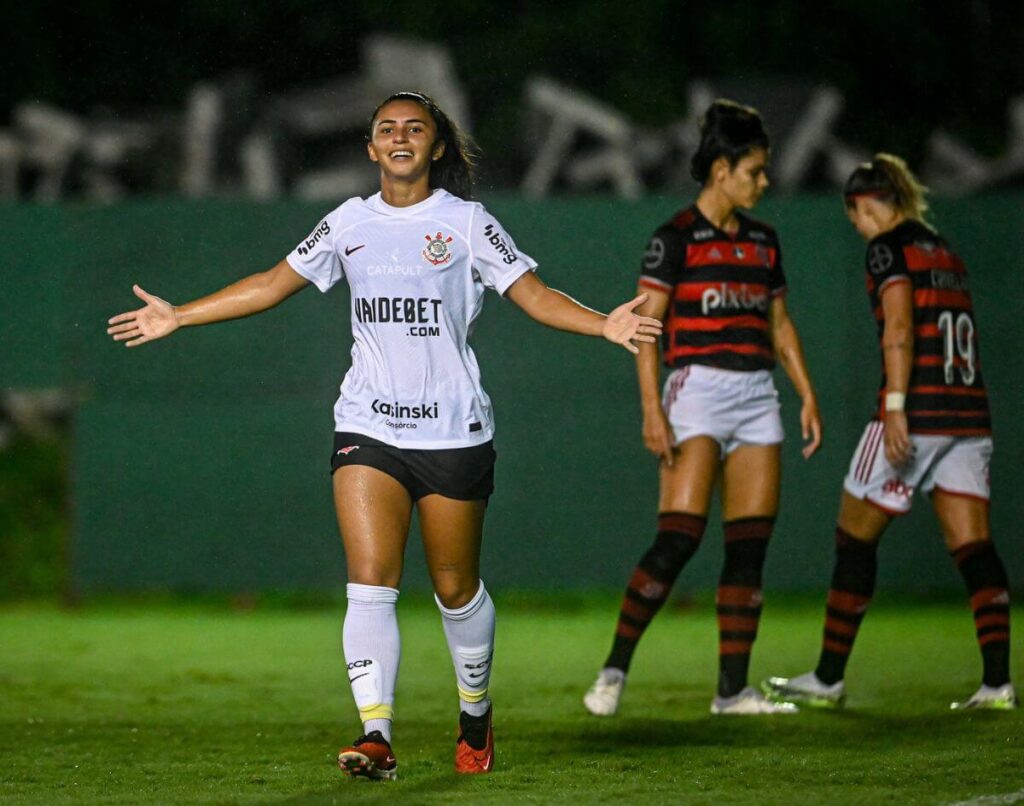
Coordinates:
268	289
783	337
540	304
898	333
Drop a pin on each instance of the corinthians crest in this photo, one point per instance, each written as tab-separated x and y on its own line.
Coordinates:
437	251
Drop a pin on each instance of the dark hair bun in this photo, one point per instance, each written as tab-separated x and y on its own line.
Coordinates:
729	130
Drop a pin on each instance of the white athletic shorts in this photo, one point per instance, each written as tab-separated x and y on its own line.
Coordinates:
958	465
733	408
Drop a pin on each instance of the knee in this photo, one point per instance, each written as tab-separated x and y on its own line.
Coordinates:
959	543
746	540
455	593
375	574
679	536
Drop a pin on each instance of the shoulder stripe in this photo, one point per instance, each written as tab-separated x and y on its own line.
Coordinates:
683	218
919	259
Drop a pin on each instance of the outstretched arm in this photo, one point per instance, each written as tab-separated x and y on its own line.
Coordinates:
791	356
252	294
562	312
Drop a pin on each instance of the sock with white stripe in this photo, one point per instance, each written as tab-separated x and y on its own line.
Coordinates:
470	633
372	652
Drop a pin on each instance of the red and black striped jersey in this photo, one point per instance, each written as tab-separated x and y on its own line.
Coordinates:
947	391
720	288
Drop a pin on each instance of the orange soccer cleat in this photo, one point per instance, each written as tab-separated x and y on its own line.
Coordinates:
474	750
369	756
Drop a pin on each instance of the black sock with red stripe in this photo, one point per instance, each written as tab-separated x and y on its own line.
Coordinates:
679	535
738	603
853	585
988	587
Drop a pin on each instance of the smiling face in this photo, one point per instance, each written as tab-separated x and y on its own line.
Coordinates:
404	141
744	183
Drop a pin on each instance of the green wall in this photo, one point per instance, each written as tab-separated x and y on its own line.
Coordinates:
201	462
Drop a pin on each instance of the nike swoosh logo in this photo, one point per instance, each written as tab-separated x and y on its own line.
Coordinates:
353	679
474	676
350	249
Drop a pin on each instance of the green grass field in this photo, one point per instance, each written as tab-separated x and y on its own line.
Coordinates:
129	703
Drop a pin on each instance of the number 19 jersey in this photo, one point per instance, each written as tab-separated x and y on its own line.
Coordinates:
947	391
417	276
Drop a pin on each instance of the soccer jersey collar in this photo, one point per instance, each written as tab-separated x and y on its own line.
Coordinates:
740	231
376	202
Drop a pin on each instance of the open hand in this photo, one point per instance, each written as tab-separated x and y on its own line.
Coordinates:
624	327
154	321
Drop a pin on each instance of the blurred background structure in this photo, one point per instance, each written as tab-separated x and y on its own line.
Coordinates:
230	98
182	146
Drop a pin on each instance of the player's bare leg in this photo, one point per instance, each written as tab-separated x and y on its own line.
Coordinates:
452	534
687	484
374	511
965	526
861	519
750	500
963	519
860	527
751	481
684	498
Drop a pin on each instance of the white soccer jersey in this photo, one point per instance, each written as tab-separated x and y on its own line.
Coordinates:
417	276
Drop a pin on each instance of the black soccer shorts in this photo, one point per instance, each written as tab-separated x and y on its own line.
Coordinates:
466	474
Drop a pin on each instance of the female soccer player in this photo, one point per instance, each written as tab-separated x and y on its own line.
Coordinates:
413	425
715	276
931	432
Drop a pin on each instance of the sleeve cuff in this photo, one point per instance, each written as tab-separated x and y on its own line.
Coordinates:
508	279
653	282
323	285
898	278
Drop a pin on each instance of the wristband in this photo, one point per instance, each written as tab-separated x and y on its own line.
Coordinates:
894	401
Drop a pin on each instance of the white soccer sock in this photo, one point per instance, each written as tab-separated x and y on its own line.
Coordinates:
470	633
372	652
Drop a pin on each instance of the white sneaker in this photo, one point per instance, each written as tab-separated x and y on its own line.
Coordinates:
806	689
996	698
602	698
749	702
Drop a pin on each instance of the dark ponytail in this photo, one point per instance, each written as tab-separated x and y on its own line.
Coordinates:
729	130
455	169
889	179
